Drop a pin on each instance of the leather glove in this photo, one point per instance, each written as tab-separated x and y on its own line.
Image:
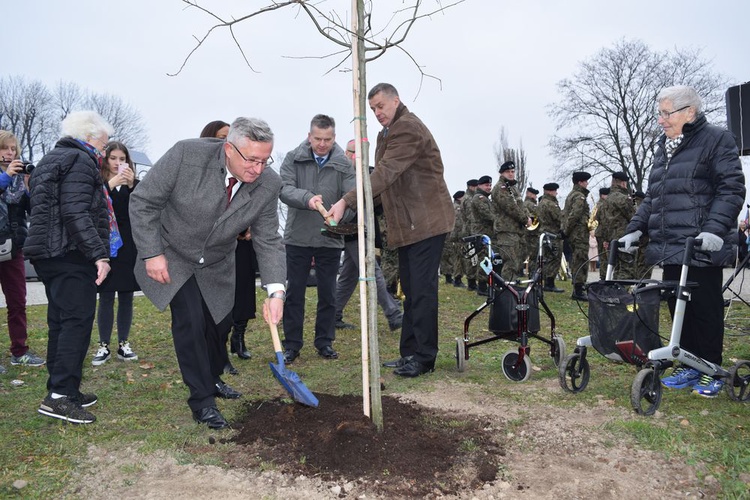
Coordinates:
711	242
631	241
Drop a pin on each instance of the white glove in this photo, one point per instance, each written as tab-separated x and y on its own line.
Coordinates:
631	241
711	242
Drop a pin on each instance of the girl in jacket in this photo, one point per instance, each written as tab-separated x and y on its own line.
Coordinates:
119	178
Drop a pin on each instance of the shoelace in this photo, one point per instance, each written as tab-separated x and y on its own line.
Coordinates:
705	380
126	348
103	351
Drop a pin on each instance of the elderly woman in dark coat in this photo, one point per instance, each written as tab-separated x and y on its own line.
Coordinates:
68	244
696	188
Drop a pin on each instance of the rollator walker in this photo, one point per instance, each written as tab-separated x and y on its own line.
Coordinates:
514	312
624	325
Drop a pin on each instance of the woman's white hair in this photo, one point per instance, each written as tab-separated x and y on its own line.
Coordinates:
85	125
681	96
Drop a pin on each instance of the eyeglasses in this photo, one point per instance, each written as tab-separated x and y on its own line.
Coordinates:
261	163
666	114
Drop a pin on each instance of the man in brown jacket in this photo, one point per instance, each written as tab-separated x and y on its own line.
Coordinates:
408	177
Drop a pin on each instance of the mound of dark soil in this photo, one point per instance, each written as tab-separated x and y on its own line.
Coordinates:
419	453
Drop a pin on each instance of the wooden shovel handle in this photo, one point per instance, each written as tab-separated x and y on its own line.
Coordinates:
275	337
329	219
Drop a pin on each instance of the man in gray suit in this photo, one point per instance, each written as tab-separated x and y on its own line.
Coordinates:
186	215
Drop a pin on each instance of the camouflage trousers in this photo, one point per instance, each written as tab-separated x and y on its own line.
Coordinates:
579	262
552	260
509	247
389	265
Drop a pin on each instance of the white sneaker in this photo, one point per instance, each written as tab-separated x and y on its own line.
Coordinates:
125	353
102	355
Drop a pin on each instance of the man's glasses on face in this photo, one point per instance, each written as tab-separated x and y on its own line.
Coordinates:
260	163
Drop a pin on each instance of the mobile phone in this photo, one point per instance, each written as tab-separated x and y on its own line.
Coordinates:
122	167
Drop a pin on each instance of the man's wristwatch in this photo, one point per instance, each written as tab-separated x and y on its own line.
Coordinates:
278	294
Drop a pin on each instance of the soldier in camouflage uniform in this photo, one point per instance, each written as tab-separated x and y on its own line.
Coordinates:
617	211
601	250
640	256
511	220
576	231
482	222
388	258
471	270
453	269
550	220
531	246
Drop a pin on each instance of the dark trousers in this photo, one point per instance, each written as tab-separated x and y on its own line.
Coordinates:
703	328
298	261
198	344
13	282
418	265
244	288
105	317
69	283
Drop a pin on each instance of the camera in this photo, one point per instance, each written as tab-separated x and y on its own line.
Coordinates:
28	167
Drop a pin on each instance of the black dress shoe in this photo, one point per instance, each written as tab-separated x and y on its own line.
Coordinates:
414	369
230	369
226	392
211	417
343	325
290	355
398	363
327	352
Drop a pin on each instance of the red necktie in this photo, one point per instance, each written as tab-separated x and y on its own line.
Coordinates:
232	182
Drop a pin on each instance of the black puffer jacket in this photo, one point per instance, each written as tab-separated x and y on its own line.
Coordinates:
701	189
68	207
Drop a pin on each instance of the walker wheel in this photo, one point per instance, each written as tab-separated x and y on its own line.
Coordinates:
460	354
574	373
558	350
738	382
646	388
520	373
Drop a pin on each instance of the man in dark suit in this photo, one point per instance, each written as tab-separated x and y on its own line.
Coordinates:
186	215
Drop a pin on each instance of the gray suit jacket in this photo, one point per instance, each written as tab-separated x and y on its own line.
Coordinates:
179	210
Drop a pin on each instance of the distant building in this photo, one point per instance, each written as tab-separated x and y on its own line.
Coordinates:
141	162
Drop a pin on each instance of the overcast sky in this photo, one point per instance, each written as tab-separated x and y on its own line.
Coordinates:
499	62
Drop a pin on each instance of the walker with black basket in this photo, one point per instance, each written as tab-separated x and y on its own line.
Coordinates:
624	327
514	311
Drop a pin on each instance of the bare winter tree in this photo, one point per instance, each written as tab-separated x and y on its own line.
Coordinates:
25	111
505	153
33	113
606	117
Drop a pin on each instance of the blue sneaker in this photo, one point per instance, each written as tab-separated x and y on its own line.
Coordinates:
708	387
681	378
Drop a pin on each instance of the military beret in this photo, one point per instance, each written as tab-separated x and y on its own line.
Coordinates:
508	165
620	176
485	179
551	186
532	190
603	191
639	194
458	194
581	176
472	183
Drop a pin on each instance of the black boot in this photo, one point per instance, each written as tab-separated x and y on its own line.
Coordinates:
448	279
457	282
549	286
229	369
472	285
237	341
482	289
579	293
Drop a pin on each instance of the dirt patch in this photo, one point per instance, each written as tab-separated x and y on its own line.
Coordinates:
451	442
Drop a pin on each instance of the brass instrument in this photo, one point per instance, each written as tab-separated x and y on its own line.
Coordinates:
593	223
534	224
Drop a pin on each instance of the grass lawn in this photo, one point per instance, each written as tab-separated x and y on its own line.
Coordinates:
143	403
